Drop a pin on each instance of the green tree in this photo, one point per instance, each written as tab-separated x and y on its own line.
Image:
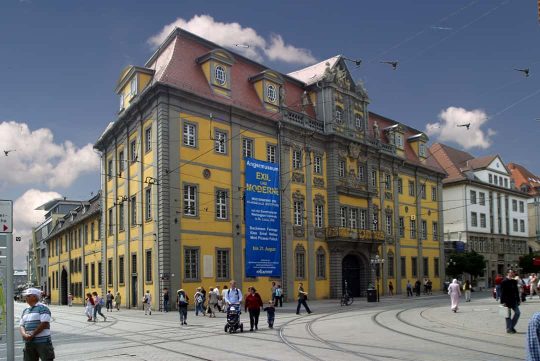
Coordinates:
455	265
469	262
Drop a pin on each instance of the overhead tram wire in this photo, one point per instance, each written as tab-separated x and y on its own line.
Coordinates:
521	100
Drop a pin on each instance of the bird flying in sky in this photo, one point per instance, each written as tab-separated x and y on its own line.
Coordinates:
524	71
6	152
394	64
465	125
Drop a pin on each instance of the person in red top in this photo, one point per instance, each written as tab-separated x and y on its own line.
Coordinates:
253	304
498	281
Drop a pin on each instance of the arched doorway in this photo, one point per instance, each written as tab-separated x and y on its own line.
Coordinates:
351	268
64	287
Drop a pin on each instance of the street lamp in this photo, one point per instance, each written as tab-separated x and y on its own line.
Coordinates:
375	263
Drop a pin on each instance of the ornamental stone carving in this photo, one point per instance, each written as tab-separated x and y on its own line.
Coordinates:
342	152
354	150
297	177
299	231
319	200
298	196
318	182
319	232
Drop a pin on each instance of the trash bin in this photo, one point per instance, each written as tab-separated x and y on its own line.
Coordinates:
371	295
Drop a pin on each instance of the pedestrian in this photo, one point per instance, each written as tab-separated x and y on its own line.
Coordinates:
498	281
34	327
253	305
510	299
204	298
233	296
417	286
70	299
279	296
182	303
89	310
409	289
147	303
213	296
273	291
270	313
223	297
108	301
521	288
425	281
533	338
302	298
429	286
391	288
533	282
118	300
165	299
98	304
467	289
219	303
455	293
199	301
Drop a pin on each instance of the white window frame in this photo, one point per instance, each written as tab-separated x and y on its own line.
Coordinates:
389	221
341	169
297	159
189	131
317	164
221	204
271	93
353	218
133	86
220	75
298	209
148	203
339	115
133	150
247	147
122	101
423	225
374	178
435	230
362	219
412	228
271	153
319	216
220	142
148	139
190	200
361	172
358	121
474	219
483	221
422	149
434	194
343	217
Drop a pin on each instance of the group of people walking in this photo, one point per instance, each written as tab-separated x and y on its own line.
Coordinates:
417	287
94	304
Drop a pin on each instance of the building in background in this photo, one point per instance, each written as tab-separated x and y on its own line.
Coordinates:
193	120
75	263
38	261
529	183
20	280
483	210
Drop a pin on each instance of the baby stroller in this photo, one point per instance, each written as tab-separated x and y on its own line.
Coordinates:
233	319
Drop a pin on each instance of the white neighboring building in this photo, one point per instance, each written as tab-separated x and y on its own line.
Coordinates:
483	211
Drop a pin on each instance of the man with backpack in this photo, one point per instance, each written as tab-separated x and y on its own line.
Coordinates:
147	303
278	296
233	296
182	303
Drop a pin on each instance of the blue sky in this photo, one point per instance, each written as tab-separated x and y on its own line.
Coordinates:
61	60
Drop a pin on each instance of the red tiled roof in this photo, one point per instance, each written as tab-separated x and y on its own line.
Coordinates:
522	176
451	160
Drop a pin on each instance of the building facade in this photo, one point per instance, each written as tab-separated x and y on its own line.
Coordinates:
353	184
483	210
75	262
529	183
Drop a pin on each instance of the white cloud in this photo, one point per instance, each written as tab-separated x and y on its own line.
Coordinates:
447	128
25	217
36	158
230	35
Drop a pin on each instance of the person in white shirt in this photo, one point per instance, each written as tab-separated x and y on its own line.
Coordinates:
147	303
233	296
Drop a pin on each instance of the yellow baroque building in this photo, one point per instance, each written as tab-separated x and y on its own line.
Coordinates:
75	263
352	185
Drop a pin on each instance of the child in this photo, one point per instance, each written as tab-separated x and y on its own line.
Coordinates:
70	299
271	313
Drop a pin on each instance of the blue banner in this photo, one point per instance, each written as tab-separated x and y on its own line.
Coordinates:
262	213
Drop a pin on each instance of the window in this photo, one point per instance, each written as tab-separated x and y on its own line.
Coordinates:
111	222
191	264
375	223
298	213
400	186
482	198
271	93
412	226
300	263
121	101
297	159
85	275
133	263
388	182
339	115
390	265
341	170
133	209
363	219
321	263
222	264
521	225
411	189
426	266
403	267
220	145
190	200
514	205
92	233
353	218
401	227
361	172
190	135
93	274
148	270
490	178
317	164
483	220
148	203
389	224
221	204
270	153
473	197
133	86
120	218
220	75
474	219
100	274
434	194
414	266
121	160
436	266
109	272
133	150
423	191
109	169
148	139
374	178
247	147
358	121
521	207
506	182
343	217
121	270
435	231
422	149
423	226
319	216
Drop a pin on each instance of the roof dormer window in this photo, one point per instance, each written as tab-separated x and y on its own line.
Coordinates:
121	101
271	93
133	86
422	149
220	75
